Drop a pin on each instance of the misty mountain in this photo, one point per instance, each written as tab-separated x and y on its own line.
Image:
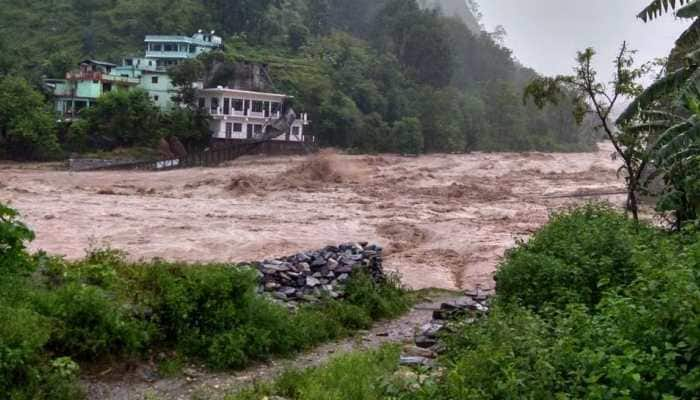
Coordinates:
455	8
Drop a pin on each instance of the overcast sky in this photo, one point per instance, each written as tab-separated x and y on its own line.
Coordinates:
545	34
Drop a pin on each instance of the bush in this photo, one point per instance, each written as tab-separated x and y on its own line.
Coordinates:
13	236
104	307
635	335
27	128
574	259
89	324
409	138
26	371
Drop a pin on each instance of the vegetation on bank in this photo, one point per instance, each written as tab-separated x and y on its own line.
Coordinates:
375	75
595	306
58	314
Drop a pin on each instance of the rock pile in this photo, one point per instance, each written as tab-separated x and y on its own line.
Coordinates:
308	276
467	308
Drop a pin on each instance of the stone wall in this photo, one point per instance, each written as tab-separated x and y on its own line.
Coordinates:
308	276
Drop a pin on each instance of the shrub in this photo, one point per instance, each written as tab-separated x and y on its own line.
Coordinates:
574	259
636	336
89	324
13	236
24	370
409	138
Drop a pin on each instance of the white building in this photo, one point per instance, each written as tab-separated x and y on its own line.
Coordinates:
246	115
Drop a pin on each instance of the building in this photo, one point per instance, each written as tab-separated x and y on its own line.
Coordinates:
244	109
81	88
247	115
161	53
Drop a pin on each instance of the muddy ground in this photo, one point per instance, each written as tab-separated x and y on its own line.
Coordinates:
445	220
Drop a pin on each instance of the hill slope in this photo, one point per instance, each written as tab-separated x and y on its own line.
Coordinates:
455	8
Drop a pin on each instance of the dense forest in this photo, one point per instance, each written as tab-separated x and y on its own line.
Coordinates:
375	75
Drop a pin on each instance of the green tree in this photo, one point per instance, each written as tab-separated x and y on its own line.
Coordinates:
123	119
27	128
409	139
593	96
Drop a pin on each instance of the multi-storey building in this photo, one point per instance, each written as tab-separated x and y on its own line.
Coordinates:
247	112
245	115
81	88
161	53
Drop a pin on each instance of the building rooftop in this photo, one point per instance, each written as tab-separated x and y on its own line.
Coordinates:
97	62
239	91
197	39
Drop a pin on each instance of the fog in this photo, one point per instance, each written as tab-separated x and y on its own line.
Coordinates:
545	34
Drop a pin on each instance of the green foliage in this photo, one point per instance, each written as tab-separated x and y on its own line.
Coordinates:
27	129
356	67
551	270
104	308
633	335
123	119
658	7
13	236
352	376
409	138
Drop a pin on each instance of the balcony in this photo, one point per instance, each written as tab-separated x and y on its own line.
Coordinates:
175	55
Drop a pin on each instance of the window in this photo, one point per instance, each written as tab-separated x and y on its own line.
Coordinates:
227	106
169	47
155	98
192	48
237	127
276	108
295	131
156	47
154	80
237	104
128	61
258	106
229	130
258	129
214	105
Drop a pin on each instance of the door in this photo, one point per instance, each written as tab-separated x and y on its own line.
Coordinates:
250	131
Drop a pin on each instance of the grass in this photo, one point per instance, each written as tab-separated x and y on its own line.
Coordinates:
106	309
361	375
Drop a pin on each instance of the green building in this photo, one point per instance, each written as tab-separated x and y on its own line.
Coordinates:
80	89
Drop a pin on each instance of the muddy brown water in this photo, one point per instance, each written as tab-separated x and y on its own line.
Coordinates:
445	220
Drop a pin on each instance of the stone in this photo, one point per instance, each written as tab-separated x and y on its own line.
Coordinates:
432	330
343	269
415	361
272	286
415	351
312	281
318	262
280	296
425	342
343	277
271	269
332	264
304	267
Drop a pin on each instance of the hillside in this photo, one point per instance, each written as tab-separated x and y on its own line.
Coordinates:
456	8
376	76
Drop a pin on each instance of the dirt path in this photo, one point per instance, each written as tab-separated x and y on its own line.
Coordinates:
198	383
445	220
